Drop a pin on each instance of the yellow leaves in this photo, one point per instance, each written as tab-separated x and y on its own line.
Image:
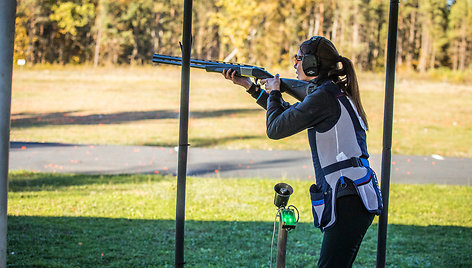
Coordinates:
70	16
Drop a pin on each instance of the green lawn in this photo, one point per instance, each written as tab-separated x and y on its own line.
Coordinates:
60	220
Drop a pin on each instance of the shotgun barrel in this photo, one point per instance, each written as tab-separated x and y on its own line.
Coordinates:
293	87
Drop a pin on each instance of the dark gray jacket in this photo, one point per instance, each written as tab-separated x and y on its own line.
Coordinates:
338	144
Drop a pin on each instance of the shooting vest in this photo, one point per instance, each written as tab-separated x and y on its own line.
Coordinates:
340	158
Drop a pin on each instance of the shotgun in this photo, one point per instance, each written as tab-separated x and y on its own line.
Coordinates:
293	87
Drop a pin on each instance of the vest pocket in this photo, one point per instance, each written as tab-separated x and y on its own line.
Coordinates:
317	204
368	189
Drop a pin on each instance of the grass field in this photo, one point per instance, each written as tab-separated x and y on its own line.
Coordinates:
61	220
127	221
140	105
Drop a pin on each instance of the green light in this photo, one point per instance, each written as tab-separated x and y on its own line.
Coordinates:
288	218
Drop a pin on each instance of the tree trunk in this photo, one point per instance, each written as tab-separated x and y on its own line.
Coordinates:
411	42
433	57
400	42
344	18
61	51
97	46
135	52
215	45
463	46
355	34
335	26
30	56
156	33
425	50
98	23
455	56
312	22
321	20
316	29
199	40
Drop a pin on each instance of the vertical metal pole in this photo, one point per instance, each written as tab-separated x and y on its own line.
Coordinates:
183	134
281	245
387	131
7	37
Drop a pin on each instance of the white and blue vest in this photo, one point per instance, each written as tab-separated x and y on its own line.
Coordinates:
338	145
340	154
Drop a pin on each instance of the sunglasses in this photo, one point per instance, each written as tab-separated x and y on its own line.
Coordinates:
297	58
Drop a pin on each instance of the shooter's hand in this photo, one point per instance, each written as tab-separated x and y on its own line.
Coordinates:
271	83
230	74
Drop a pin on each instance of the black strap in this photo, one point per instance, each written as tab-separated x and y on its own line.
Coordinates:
351	162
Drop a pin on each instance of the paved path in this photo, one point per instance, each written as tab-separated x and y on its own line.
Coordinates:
108	159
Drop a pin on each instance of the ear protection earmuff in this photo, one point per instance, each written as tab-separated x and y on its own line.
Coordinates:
310	63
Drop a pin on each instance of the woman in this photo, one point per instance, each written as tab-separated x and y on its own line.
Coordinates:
346	194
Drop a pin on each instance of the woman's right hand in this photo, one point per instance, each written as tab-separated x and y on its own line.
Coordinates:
230	74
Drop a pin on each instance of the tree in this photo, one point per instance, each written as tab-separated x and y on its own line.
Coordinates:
431	33
460	34
70	18
433	17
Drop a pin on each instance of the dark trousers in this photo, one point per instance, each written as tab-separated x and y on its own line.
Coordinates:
341	242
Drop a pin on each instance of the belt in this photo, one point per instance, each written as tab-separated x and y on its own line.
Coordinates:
351	162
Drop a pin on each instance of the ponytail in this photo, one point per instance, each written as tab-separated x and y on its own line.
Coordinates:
350	86
344	76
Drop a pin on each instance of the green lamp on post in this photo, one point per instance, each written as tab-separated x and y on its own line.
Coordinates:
287	219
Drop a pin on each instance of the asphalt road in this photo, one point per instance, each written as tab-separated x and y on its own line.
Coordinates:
108	159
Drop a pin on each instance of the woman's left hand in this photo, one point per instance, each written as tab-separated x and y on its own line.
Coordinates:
271	83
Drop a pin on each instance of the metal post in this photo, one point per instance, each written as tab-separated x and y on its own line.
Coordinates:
387	130
7	37
183	134
281	245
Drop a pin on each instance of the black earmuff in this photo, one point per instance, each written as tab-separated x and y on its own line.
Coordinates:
310	63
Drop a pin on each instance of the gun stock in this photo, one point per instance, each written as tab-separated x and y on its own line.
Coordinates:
293	87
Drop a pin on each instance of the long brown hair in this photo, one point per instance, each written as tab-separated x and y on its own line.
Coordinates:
338	68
